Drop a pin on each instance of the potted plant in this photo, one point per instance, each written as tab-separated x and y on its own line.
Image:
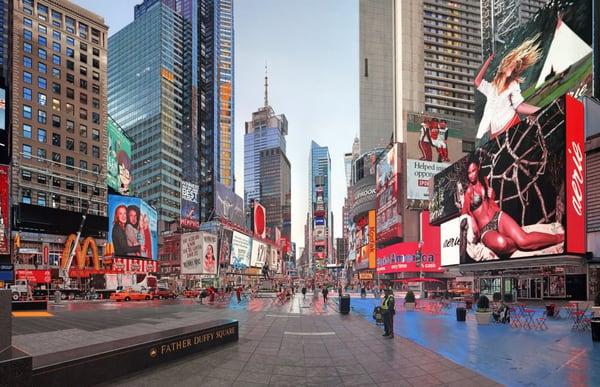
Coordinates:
483	313
409	300
596	307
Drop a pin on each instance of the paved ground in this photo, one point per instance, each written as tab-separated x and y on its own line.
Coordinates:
300	343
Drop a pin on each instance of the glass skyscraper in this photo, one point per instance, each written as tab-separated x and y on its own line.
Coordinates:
319	169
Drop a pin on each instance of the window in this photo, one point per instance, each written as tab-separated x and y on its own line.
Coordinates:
27	77
70	22
83	114
42	9
26	151
55	200
27	35
96	89
41	179
41	137
95	135
70	144
83	30
55	46
42	54
56	157
25	175
26	131
95	51
27	48
83	147
83	84
56	88
95	36
56	34
70	65
41	199
83	70
83	189
70	41
95	103
42	41
55	105
83	165
27	94
42	117
42	99
96	151
70	161
70	185
96	63
56	139
27	22
70	78
56	72
70	109
27	111
56	59
70	126
42	68
83	98
70	52
27	62
26	196
82	46
96	76
42	83
56	182
95	118
70	93
55	121
83	130
41	154
82	58
95	168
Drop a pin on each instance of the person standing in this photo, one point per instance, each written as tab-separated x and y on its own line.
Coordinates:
388	307
325	292
238	293
303	292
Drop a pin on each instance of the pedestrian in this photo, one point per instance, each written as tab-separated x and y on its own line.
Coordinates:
303	292
325	291
388	307
238	293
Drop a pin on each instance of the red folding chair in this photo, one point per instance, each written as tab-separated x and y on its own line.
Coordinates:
515	318
540	322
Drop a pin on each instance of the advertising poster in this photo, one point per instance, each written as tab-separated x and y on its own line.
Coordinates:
225	247
450	241
132	227
433	139
418	173
372	241
240	250
190	215
4	206
2	109
260	220
209	252
118	176
259	254
512	191
388	196
228	205
191	253
352	241
556	286
545	58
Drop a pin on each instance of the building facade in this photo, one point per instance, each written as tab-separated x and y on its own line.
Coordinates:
319	193
275	183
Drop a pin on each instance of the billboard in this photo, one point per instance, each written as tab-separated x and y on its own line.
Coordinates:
418	173
2	109
225	247
260	220
190	214
209	253
132	227
319	221
545	58
240	250
228	205
118	176
259	254
4	208
433	137
389	196
450	241
519	193
191	253
372	241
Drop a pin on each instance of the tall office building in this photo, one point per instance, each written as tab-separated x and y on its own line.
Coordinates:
275	183
145	82
3	42
58	117
319	194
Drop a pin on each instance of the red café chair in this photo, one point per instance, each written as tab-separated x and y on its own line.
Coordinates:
540	322
515	318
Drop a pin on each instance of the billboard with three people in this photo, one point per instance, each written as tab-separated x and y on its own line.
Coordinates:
132	227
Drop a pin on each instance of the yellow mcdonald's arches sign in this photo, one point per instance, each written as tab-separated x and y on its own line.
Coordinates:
81	253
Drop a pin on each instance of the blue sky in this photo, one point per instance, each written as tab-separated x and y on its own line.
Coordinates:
311	47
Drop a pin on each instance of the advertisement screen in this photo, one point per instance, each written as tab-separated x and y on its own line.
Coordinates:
259	254
240	250
4	221
389	196
260	220
545	58
132	227
418	173
228	205
2	109
319	221
118	176
190	215
225	247
513	191
372	241
450	241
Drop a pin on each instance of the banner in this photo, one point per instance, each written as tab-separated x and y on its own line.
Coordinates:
389	196
35	276
450	241
191	253
209	252
4	208
228	205
418	173
132	227
372	241
118	176
240	250
225	247
259	254
190	214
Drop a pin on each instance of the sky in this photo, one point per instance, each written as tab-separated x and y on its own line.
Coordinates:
311	49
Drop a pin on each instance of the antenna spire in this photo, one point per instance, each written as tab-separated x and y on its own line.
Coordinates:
266	86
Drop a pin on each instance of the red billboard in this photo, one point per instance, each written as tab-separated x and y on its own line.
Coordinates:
402	257
389	193
4	222
260	220
36	276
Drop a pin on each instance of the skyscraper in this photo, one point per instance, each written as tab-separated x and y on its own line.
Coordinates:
145	82
319	206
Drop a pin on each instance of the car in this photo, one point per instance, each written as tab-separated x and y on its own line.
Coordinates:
191	293
129	295
162	293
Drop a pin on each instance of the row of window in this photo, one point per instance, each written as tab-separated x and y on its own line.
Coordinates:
56	138
56	120
41	155
55	199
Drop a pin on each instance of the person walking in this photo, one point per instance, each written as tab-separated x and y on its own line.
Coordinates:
238	293
388	307
303	292
325	292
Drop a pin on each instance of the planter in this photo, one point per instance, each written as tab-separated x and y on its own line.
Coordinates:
483	317
596	310
595	328
409	306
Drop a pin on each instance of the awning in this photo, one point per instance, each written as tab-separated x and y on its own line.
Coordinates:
560	260
417	280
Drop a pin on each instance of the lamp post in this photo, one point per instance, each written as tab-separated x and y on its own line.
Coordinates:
418	256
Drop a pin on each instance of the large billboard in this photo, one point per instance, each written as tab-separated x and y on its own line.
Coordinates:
2	109
4	208
418	173
132	227
372	240
209	253
260	220
389	196
229	206
240	250
191	253
225	247
518	193
259	254
190	214
118	176
450	241
547	57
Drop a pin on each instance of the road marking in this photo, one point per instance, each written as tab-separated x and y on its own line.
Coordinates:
309	333
283	315
32	314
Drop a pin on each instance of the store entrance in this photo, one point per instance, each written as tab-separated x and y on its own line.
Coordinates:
531	288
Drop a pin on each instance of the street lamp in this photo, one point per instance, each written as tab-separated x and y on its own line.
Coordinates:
418	257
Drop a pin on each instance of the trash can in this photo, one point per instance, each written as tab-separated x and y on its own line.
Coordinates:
596	328
57	297
550	310
461	314
345	304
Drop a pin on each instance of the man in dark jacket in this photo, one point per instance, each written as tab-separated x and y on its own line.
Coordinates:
388	307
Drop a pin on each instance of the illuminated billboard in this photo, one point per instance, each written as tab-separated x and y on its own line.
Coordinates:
225	247
259	254
260	220
389	196
240	250
190	215
418	173
132	227
4	208
517	194
545	58
2	109
118	176
228	205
